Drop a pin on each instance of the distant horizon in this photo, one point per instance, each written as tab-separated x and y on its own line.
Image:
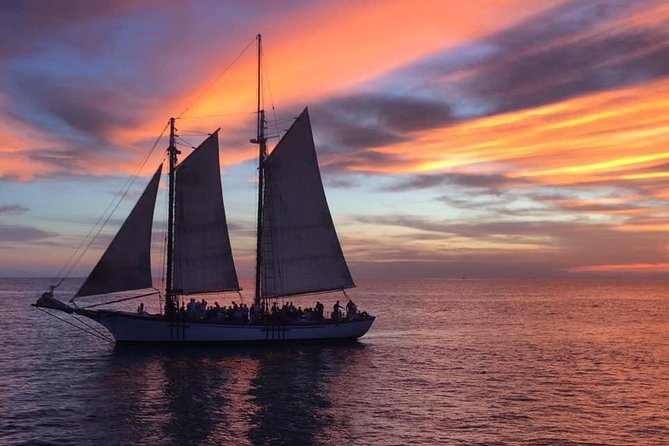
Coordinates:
595	277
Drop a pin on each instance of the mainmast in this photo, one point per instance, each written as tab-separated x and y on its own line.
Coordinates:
261	140
170	296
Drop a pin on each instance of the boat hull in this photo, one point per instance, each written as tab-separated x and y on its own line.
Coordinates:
132	328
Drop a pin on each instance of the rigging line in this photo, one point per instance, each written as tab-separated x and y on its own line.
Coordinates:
121	300
181	141
184	143
60	277
269	87
196	133
284	120
234	61
219	115
312	293
76	326
212	293
89	326
86	238
127	187
199	132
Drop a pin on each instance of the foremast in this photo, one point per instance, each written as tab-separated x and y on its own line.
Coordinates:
170	295
261	140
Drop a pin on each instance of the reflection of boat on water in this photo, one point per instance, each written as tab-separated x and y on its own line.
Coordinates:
297	251
204	395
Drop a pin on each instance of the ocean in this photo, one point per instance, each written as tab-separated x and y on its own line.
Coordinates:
447	362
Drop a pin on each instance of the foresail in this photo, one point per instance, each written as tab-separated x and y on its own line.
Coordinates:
301	251
126	264
202	253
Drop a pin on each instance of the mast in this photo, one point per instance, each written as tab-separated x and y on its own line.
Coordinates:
170	300
261	140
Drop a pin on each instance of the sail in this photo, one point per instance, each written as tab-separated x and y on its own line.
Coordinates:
202	253
301	251
126	264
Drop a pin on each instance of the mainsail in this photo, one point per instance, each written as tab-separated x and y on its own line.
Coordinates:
202	253
126	264
301	251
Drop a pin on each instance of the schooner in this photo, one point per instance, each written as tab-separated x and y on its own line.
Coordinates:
297	248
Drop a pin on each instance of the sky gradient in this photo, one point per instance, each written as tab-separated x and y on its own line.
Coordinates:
490	138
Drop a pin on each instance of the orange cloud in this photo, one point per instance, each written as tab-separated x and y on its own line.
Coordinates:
596	137
628	267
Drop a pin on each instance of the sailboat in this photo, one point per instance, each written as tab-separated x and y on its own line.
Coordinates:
297	251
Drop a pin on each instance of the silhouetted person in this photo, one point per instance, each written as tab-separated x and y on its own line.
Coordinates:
336	311
351	309
319	310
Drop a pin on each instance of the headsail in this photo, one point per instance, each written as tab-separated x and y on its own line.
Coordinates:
126	264
301	251
202	253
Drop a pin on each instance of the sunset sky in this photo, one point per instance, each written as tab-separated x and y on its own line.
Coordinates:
486	138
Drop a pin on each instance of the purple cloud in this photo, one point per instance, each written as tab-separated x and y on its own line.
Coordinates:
12	209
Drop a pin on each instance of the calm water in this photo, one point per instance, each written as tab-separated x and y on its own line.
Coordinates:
447	362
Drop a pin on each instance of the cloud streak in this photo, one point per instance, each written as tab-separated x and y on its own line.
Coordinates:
8	209
11	234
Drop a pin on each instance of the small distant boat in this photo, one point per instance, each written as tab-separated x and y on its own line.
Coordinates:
297	251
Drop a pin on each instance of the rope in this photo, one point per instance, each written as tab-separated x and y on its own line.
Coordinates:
97	228
218	115
182	142
121	300
196	133
124	190
90	326
104	338
206	90
269	87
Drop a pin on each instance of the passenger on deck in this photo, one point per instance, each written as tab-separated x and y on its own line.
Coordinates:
202	313
253	313
275	312
336	311
190	309
319	310
351	309
217	312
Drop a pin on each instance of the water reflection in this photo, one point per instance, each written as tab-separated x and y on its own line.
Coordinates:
211	395
293	393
